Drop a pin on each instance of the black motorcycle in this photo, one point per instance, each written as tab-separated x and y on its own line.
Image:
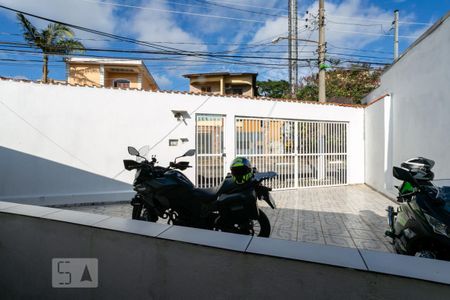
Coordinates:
165	192
421	224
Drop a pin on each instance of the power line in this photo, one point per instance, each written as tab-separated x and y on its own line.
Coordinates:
364	62
253	6
375	34
241	62
357	55
146	52
239	9
214	55
174	11
379	20
356	49
356	24
169	50
165	49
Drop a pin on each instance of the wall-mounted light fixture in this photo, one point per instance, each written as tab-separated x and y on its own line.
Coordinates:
181	115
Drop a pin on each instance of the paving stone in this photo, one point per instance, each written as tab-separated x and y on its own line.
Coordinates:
341	241
362	234
370	245
346	216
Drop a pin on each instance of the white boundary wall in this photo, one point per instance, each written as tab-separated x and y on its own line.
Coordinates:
62	144
158	261
414	120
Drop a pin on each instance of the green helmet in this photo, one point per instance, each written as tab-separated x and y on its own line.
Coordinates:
241	170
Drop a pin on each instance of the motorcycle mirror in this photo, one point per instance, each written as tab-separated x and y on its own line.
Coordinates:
144	150
190	152
132	151
404	175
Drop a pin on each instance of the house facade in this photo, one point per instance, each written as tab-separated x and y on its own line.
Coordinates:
103	72
223	83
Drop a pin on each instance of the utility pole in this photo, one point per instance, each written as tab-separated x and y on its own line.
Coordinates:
395	34
293	48
321	50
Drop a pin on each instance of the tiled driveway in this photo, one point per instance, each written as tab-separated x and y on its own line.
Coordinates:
348	216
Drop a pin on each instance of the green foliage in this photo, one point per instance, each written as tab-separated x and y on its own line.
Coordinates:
308	92
349	84
55	39
273	89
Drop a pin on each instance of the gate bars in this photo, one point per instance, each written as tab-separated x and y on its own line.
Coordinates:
303	153
210	150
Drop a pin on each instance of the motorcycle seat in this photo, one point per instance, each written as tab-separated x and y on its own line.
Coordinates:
207	195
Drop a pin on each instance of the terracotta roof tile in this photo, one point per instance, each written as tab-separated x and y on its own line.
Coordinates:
193	93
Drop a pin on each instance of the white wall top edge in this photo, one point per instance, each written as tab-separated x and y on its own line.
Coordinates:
380	262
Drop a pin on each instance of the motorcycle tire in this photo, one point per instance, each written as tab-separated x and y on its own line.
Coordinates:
264	224
140	213
136	214
425	254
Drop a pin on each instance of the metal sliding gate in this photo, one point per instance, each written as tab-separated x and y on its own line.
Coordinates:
303	153
210	164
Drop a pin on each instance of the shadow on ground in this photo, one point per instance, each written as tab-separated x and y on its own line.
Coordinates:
349	216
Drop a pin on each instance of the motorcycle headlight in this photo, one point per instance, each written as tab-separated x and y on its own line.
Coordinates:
438	226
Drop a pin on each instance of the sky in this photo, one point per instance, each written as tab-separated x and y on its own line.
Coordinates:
236	35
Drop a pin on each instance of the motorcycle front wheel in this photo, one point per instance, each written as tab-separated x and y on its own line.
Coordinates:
261	226
140	213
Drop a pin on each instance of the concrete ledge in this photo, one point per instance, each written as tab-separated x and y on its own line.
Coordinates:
331	255
208	238
408	266
132	226
141	259
62	200
75	217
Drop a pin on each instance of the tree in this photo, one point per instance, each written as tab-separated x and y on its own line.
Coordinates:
55	39
350	84
273	89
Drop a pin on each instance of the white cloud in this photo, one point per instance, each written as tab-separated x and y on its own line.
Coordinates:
350	24
243	10
84	13
272	29
343	20
348	11
162	80
156	26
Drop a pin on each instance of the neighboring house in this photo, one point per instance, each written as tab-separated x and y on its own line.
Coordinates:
223	83
104	72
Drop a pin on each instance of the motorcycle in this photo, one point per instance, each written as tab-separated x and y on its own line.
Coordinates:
420	226
166	193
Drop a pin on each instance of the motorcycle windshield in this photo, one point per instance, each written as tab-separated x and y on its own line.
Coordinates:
265	175
444	194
